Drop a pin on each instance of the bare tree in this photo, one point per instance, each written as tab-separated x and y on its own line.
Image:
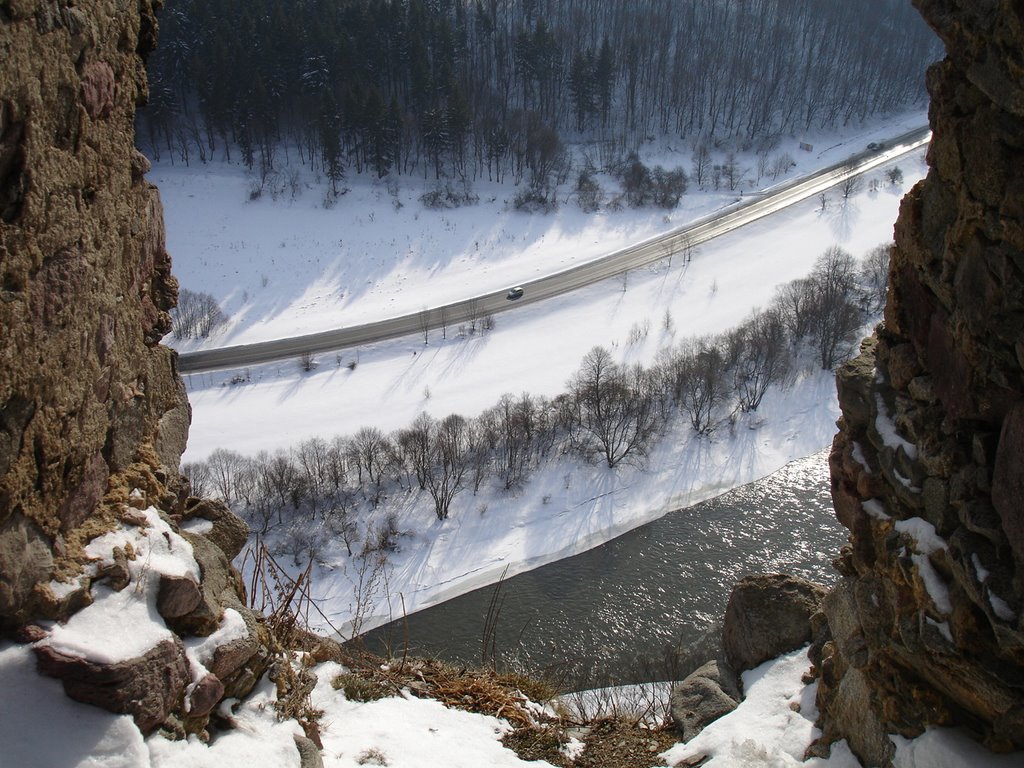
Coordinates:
473	315
413	445
337	464
700	383
196	316
368	451
223	466
795	302
835	317
313	457
199	478
482	440
283	480
613	407
874	278
668	250
732	172
424	322
849	187
687	248
450	450
338	521
764	359
515	427
701	163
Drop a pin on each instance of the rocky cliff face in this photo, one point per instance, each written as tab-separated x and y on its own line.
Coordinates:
93	416
88	397
928	469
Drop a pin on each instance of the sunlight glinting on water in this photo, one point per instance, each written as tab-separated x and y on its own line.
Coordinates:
615	611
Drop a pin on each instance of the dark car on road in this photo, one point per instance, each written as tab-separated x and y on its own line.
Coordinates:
514	293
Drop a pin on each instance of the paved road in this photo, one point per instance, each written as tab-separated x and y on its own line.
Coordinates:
675	243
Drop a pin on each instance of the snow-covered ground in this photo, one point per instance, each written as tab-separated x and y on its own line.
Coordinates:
284	260
568	506
290	266
41	728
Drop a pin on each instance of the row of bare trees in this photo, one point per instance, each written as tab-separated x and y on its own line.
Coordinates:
609	412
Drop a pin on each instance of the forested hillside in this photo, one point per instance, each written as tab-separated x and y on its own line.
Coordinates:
495	88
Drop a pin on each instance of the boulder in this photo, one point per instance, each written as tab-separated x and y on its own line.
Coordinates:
25	559
204	696
147	687
708	693
229	532
177	596
1008	479
768	615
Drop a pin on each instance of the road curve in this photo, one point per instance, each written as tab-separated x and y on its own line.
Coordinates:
754	207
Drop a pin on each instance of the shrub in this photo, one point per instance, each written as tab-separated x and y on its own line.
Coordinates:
196	316
446	196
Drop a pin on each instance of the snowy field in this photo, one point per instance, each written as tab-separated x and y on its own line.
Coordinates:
567	506
277	269
290	266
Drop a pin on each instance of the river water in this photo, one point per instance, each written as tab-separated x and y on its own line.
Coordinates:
637	607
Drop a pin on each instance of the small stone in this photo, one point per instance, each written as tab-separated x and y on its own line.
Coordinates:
178	596
29	633
204	696
98	90
116	573
133	516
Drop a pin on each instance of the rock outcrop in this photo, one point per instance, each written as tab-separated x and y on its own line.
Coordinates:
90	402
766	616
707	693
93	415
928	469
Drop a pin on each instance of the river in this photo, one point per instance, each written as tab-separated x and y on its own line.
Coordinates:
640	606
